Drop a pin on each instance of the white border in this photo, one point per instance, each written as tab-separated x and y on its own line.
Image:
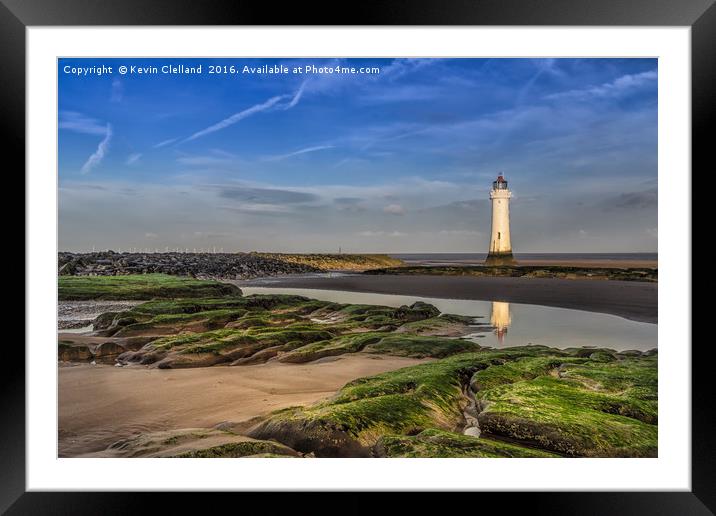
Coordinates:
671	471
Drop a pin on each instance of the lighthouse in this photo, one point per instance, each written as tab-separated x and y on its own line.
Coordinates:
500	252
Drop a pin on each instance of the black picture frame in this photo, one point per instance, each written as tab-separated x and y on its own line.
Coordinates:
700	15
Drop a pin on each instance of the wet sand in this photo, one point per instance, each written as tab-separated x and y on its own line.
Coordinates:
99	405
633	300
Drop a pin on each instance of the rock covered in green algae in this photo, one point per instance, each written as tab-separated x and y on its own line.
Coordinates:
351	343
169	317
196	443
140	286
205	331
416	312
241	449
384	343
536	398
293	329
439	443
228	345
418	346
448	325
577	407
403	402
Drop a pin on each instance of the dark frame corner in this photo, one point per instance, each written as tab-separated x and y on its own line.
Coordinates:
700	15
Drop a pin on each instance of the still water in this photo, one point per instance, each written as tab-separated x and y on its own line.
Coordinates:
514	324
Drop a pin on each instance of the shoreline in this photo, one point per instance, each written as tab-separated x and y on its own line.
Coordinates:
636	301
102	404
542	262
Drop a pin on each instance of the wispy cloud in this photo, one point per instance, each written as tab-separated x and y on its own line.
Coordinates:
381	233
237	117
215	157
79	123
614	88
133	158
297	97
264	195
117	91
352	204
544	66
460	232
98	155
406	93
164	143
257	108
394	209
258	208
299	152
203	161
646	199
400	67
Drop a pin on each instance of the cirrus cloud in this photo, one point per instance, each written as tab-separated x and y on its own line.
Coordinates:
98	155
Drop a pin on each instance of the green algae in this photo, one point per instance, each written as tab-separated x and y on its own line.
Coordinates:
285	327
256	303
399	402
225	339
352	343
175	322
441	444
436	325
240	449
140	286
403	345
531	397
416	346
585	408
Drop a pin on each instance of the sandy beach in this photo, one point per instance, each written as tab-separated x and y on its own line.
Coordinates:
629	299
101	404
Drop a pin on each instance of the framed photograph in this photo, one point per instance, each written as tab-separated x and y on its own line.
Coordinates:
426	248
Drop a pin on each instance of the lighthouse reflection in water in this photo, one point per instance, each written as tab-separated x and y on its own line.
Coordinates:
500	319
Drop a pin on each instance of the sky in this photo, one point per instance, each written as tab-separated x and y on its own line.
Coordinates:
398	160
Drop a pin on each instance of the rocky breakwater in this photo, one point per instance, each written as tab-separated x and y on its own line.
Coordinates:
207	265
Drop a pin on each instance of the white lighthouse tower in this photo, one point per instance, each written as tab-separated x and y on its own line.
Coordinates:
500	252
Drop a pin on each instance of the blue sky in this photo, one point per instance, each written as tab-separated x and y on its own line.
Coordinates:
396	161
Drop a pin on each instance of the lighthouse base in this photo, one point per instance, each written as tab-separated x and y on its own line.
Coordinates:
500	259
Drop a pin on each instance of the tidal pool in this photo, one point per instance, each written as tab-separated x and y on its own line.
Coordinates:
514	324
